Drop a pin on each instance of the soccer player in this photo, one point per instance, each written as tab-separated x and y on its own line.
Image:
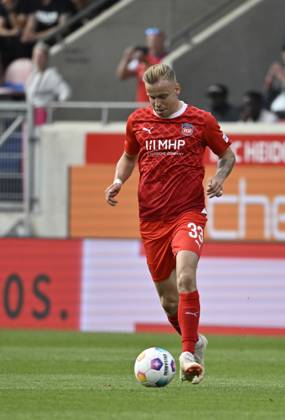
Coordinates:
168	139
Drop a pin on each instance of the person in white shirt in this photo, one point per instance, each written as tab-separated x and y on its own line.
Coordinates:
44	84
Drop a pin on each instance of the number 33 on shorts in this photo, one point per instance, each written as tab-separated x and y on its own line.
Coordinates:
196	232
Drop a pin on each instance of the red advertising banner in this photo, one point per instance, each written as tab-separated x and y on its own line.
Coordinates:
251	209
40	283
104	147
255	149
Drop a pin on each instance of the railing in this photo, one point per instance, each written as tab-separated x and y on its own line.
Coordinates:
19	156
186	33
104	107
16	132
18	144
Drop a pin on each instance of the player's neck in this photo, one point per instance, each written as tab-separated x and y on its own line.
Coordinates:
180	109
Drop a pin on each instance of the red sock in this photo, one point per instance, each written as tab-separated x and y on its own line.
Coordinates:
173	319
188	316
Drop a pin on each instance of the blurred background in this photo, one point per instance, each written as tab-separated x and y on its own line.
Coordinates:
70	75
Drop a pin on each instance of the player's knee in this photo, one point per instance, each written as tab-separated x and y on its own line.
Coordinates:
186	281
169	304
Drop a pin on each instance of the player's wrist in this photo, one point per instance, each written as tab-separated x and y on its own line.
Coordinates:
118	181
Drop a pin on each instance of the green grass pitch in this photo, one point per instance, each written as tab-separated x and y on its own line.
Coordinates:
82	376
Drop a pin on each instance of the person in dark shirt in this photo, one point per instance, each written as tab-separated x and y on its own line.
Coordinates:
46	17
220	107
253	109
274	81
13	17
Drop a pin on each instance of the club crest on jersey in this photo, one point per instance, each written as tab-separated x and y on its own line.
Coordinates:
225	138
187	129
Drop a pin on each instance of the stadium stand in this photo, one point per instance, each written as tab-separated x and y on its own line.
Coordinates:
210	59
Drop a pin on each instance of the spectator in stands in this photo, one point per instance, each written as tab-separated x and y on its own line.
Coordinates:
135	60
46	18
220	107
13	17
278	105
274	81
44	84
75	7
253	108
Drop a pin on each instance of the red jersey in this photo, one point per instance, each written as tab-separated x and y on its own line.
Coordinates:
170	158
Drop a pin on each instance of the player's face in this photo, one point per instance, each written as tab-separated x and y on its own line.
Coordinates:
163	97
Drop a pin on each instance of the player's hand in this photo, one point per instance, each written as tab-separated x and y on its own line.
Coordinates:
215	188
111	192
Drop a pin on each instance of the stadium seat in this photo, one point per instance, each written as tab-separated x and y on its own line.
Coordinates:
17	73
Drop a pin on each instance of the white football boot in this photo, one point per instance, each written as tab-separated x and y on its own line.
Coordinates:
192	365
200	350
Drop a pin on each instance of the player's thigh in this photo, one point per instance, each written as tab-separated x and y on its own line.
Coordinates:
189	233
187	244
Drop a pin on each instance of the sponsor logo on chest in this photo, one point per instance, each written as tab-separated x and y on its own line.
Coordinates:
164	144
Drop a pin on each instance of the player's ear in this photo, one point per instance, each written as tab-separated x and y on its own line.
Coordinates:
177	89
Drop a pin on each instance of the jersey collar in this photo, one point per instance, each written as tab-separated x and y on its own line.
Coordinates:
176	114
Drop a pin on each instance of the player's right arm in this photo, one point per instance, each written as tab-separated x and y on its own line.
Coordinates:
124	169
125	164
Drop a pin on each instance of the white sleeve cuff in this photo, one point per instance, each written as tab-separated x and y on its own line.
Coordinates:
118	181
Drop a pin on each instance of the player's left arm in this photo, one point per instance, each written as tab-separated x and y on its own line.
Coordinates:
225	165
220	145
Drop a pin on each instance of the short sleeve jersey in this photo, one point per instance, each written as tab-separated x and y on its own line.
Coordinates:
170	158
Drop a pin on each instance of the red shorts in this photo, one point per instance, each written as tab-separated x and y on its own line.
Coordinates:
162	241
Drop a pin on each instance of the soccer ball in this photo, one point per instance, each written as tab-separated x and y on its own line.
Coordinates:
155	367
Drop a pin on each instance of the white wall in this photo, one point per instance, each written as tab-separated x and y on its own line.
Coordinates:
61	145
118	293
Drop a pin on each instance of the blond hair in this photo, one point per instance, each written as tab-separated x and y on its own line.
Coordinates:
159	72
